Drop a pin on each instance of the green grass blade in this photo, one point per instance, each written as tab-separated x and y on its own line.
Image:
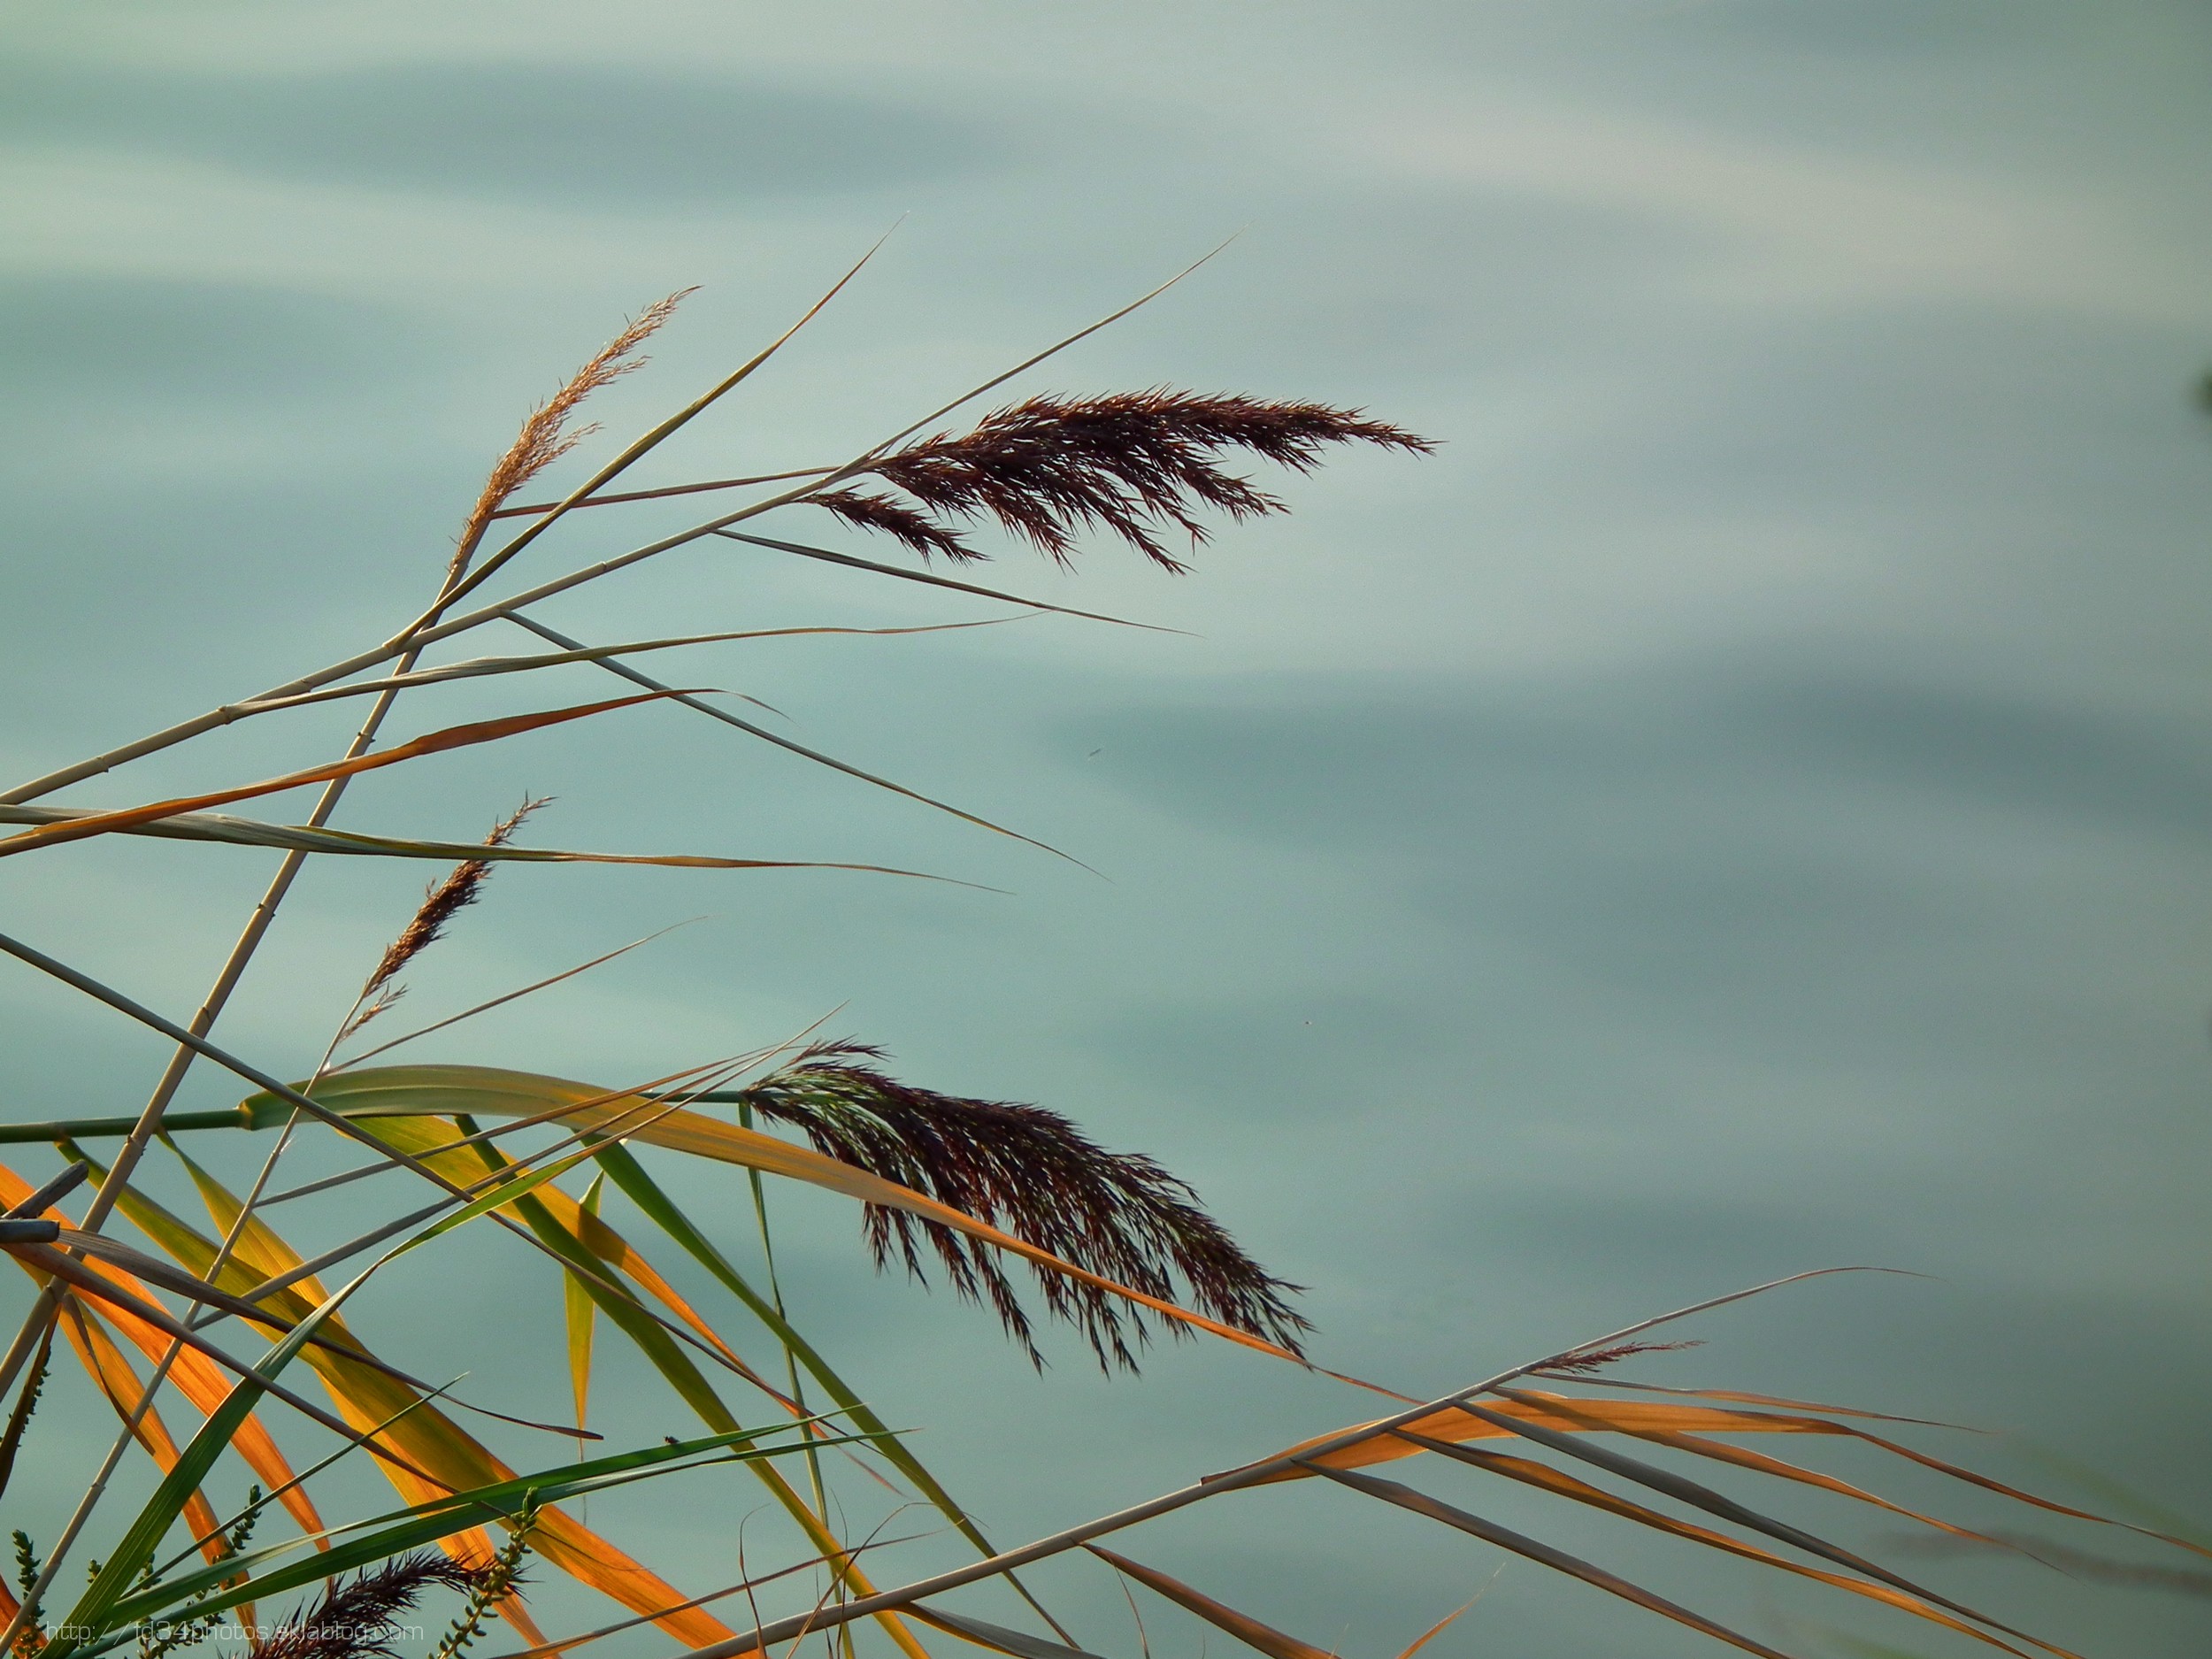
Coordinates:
380	1537
159	1513
622	1166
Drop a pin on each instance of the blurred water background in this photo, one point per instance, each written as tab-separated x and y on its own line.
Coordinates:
1744	806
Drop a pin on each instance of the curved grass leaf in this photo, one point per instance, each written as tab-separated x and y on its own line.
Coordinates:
998	1638
96	1351
170	1499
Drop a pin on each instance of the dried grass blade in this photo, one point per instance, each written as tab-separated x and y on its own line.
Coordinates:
622	498
765	735
1440	1627
1560	1408
923	577
1735	1397
1559	1560
998	1638
1264	1638
1703	1497
431	743
1545	1479
496	1001
218	826
480	667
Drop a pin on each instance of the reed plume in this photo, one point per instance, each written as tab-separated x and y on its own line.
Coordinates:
358	1620
1129	463
1034	1174
546	435
1596	1359
441	903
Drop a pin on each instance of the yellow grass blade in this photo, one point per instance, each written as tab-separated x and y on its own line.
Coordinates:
581	1315
366	1398
557	1219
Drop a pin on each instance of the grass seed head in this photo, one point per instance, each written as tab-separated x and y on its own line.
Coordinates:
1133	463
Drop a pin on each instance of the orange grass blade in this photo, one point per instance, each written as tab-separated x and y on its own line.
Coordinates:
367	1399
429	743
1452	1424
96	1351
1734	1397
1561	1411
1703	1497
246	832
1439	1628
196	1378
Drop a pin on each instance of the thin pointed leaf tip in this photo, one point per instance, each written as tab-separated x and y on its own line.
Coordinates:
1133	464
1033	1172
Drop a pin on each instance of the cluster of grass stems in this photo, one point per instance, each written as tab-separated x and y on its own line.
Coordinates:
1115	1244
